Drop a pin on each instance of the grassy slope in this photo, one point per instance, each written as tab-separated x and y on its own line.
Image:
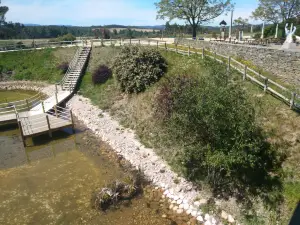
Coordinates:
36	65
136	111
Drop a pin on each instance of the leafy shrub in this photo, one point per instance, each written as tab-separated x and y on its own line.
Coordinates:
137	68
66	37
215	122
101	74
64	66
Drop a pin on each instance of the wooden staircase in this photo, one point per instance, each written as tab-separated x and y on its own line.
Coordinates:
75	70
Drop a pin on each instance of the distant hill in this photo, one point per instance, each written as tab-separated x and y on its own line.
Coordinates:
155	27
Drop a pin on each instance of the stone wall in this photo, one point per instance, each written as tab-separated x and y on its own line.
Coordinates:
284	64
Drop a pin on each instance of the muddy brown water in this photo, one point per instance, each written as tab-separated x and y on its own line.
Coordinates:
51	182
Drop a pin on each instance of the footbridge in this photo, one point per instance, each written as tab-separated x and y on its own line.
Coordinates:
36	116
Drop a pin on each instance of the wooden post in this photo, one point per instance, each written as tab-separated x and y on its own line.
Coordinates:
55	88
48	123
56	98
229	60
73	126
266	85
55	110
43	107
189	52
292	103
27	103
245	73
203	53
22	134
166	45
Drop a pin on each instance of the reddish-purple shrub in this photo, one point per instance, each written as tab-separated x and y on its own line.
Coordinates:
63	67
101	74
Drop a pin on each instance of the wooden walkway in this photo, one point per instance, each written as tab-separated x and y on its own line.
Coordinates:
35	116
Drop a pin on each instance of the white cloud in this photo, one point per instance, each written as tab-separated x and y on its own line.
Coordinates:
84	12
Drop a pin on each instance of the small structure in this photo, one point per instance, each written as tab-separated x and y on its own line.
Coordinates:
289	42
223	29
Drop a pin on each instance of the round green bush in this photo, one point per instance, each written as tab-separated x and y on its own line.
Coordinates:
137	68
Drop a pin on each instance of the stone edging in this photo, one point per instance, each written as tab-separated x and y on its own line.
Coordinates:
181	195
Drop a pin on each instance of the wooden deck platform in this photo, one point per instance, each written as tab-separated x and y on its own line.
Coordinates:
43	123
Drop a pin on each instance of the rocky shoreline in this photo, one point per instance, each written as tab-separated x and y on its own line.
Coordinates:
181	194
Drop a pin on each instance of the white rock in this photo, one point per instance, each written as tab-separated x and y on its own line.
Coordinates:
203	201
206	217
194	213
199	213
179	211
224	215
197	203
213	221
189	212
186	206
207	223
230	219
176	197
179	201
200	218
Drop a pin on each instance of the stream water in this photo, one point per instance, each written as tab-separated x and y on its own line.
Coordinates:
51	182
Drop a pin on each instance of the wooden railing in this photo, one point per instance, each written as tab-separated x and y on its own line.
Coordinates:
22	105
268	85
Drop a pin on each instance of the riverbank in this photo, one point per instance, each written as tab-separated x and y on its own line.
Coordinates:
183	195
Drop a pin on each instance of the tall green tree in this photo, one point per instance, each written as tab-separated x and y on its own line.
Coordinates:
194	12
3	11
277	10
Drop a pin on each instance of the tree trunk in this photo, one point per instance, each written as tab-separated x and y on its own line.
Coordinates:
194	28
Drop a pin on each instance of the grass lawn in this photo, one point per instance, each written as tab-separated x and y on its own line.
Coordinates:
38	65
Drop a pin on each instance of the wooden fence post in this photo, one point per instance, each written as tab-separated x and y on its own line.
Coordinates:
266	85
55	110
22	134
245	73
203	53
292	103
229	60
166	45
73	126
27	103
48	123
43	107
56	98
189	52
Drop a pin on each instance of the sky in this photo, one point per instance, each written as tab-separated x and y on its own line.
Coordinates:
101	12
